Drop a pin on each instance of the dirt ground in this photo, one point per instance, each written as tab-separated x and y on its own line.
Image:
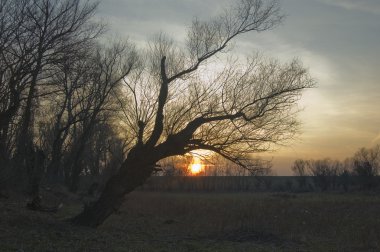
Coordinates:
201	222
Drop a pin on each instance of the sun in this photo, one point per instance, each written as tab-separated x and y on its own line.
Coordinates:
196	166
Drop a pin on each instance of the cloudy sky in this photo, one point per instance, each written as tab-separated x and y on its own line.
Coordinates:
337	40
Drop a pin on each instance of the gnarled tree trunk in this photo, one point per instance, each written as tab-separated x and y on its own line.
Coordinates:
133	173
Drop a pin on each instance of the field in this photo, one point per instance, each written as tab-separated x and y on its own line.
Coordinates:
151	221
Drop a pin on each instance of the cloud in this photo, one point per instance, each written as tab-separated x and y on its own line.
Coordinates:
371	6
141	20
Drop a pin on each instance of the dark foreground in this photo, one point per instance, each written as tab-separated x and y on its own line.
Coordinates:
203	222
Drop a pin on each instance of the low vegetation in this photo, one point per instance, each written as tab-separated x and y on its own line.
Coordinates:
150	221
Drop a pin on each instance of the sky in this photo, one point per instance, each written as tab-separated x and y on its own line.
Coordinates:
337	40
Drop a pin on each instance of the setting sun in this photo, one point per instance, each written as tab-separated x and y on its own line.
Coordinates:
196	166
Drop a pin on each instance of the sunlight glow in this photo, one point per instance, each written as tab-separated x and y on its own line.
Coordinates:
196	166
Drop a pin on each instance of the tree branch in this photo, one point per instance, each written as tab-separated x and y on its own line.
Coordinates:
162	98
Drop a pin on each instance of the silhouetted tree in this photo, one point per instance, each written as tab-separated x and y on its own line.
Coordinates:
346	174
35	36
80	124
366	164
175	109
109	67
299	169
325	172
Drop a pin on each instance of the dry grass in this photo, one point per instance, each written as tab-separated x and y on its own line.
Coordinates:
204	222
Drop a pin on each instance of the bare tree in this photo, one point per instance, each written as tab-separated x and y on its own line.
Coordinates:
366	165
346	174
35	35
84	86
240	110
70	79
325	172
299	169
108	68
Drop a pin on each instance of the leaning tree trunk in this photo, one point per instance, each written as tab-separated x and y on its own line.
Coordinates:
133	173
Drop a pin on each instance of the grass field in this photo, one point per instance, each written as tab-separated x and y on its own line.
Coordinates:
203	222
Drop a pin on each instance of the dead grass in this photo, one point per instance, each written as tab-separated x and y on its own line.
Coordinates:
203	222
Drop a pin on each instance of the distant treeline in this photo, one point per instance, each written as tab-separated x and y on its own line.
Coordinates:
254	184
360	170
